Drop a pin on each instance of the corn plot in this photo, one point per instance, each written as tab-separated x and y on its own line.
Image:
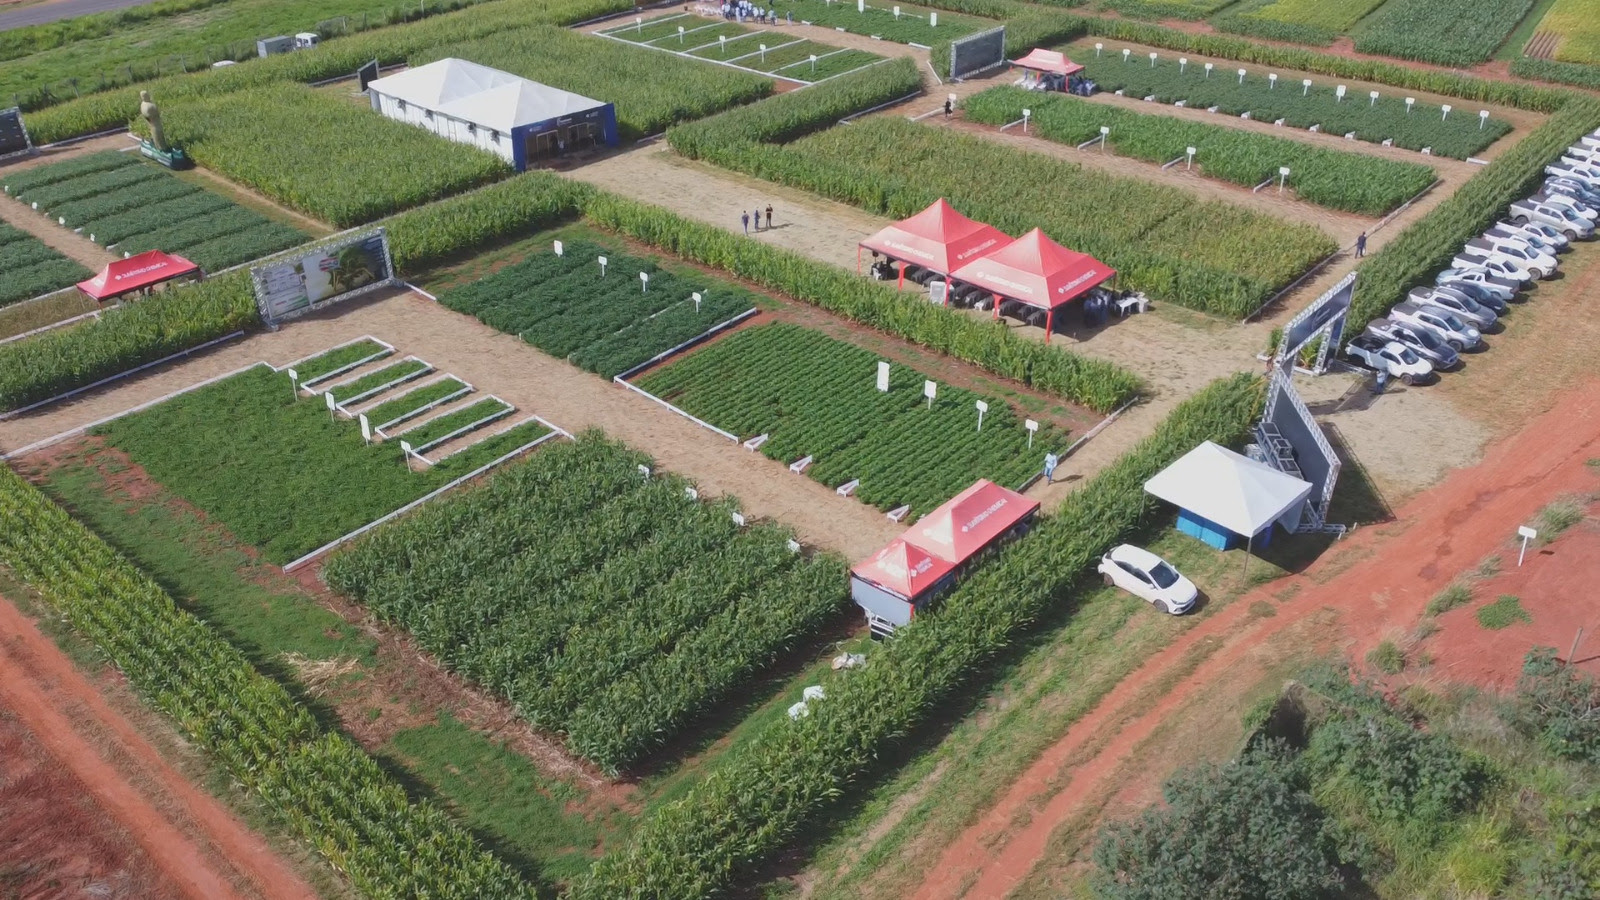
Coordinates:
128	205
29	267
605	324
1446	32
818	397
1458	135
1337	180
603	604
787	55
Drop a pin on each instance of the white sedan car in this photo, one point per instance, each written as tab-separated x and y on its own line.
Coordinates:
1146	575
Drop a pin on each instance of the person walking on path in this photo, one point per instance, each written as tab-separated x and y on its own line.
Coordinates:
771	219
1050	463
1361	245
758	218
745	218
948	108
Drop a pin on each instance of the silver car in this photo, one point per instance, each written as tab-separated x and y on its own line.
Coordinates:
1465	308
1459	334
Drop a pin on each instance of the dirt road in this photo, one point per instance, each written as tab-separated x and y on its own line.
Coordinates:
1400	567
195	842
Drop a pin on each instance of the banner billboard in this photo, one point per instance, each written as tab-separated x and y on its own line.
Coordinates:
977	52
14	140
294	283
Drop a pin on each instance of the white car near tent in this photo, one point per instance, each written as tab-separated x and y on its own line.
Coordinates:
1148	577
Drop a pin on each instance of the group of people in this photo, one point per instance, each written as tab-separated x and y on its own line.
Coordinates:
744	219
745	11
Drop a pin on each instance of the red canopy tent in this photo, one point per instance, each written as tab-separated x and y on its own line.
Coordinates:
1037	271
904	569
136	273
938	238
971	520
1050	61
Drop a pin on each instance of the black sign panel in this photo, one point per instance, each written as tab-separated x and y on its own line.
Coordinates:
13	136
367	74
977	52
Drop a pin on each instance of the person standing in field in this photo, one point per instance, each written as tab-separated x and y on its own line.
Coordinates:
1361	245
1050	463
758	218
771	219
744	218
948	108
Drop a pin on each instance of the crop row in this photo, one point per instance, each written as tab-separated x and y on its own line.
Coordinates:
112	107
1297	21
768	792
29	267
606	322
340	359
1459	134
601	603
131	206
878	19
1444	32
1578	28
387	375
471	416
413	402
1331	178
816	396
1166	9
651	90
330	793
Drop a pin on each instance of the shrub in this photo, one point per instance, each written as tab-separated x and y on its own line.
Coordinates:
1459	593
1558	517
1558	706
1387	658
1504	612
436	233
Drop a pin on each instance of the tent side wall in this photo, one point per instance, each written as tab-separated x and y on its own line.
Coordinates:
879	602
448	127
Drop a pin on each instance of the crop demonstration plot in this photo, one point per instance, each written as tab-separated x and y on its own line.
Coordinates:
787	54
1166	9
1459	134
911	26
279	472
606	322
817	397
129	205
1213	256
1337	180
1445	32
602	603
28	267
322	155
1576	26
1301	21
650	92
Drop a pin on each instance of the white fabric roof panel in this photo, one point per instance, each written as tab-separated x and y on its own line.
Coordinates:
488	98
1236	492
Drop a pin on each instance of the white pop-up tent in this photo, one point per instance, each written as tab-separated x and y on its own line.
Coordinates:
1226	499
516	119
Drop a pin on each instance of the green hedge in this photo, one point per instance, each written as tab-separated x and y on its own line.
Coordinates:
1430	243
436	233
992	347
764	794
328	791
1273	30
127	336
1559	72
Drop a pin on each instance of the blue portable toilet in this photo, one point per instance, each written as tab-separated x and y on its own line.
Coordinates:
523	122
1229	500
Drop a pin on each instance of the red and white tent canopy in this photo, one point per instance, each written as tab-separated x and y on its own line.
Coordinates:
128	275
938	238
971	520
1037	271
1048	61
903	568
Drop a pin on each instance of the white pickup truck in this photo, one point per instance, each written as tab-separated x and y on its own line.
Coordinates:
1392	357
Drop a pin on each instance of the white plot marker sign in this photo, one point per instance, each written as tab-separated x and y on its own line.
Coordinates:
556	245
602	260
366	429
983	407
327	396
930	390
1033	428
644	282
294	383
883	377
696	298
405	455
1527	534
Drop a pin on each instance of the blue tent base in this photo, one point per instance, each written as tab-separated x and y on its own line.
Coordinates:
1204	529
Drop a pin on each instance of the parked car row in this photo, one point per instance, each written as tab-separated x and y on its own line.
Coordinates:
1429	330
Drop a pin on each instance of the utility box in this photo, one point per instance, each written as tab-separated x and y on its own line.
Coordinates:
268	46
305	40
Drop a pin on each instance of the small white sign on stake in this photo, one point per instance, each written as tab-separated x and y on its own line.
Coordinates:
603	262
696	298
983	407
1033	428
883	377
644	470
1526	534
929	390
366	429
405	455
556	245
327	397
294	383
933	20
644	282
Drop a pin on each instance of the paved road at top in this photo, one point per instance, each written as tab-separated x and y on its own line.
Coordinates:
56	10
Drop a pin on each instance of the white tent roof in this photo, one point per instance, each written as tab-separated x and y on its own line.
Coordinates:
488	98
1234	491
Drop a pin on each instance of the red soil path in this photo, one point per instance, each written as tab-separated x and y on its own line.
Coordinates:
53	700
1442	532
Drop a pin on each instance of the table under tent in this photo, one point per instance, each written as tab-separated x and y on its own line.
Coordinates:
892	585
1227	500
1050	70
932	244
1035	273
141	272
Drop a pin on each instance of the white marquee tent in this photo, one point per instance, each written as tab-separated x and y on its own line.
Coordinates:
514	118
1214	486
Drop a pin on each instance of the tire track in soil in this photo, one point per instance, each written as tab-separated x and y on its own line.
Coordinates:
51	698
1441	532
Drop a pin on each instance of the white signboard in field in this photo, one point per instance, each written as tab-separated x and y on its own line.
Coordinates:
296	282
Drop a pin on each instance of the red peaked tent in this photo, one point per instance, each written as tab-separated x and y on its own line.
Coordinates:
971	520
903	568
1047	61
1037	271
135	273
938	238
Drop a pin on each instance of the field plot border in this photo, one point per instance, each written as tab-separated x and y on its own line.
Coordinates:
665	355
689	54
